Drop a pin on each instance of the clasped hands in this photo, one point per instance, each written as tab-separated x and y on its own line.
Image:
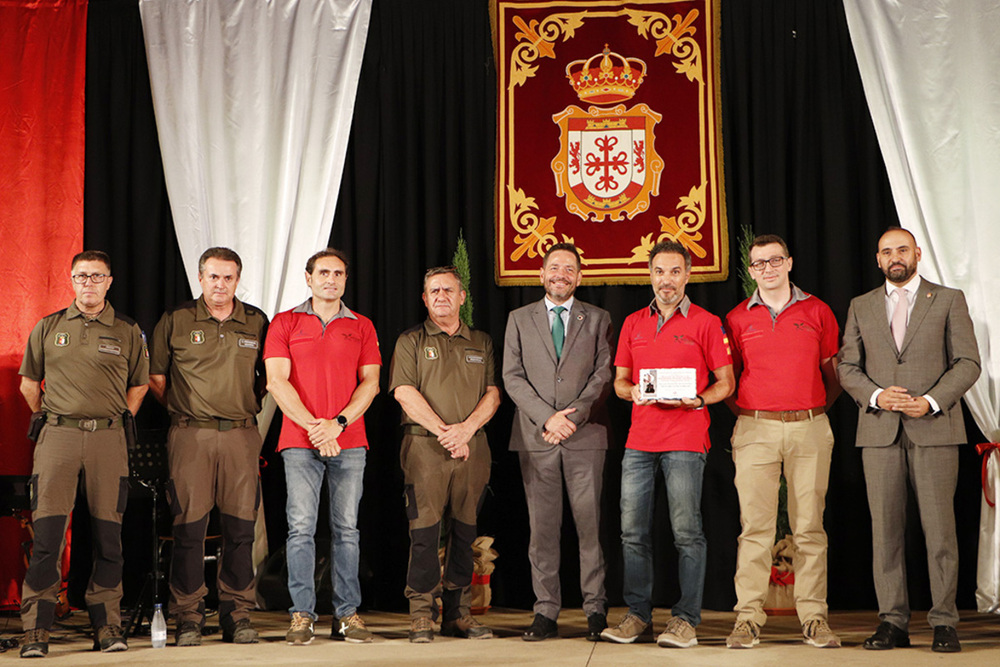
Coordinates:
323	434
898	399
455	438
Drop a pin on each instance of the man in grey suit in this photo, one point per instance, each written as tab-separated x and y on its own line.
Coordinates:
557	368
909	355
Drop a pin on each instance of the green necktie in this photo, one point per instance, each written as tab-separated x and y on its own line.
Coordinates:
558	330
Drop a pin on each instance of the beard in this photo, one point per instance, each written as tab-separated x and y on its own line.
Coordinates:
900	273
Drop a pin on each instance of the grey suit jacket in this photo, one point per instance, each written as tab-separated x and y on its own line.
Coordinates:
940	358
540	385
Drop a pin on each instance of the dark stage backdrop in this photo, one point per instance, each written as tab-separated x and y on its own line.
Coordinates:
801	161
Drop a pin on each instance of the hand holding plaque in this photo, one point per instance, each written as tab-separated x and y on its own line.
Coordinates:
667	384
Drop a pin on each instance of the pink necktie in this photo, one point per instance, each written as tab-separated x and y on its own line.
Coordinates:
898	324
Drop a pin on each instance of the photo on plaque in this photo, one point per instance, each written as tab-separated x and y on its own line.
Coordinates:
660	384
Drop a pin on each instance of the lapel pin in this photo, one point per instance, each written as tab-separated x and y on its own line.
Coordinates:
580	317
928	295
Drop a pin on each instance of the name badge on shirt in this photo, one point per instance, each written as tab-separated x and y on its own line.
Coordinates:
474	358
109	348
250	343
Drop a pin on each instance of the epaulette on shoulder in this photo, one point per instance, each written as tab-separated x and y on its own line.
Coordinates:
252	310
184	305
413	329
124	318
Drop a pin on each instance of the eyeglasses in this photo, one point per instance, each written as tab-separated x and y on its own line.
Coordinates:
96	278
775	263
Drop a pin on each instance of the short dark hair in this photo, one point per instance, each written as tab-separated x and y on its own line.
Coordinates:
670	246
568	247
225	254
442	270
768	239
897	228
328	252
91	256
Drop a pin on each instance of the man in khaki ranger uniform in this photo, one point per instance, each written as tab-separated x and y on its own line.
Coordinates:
442	375
95	365
207	368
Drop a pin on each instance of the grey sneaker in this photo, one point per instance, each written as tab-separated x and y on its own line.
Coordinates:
818	633
421	630
745	634
240	632
35	643
352	629
188	634
109	639
466	627
628	630
678	633
300	632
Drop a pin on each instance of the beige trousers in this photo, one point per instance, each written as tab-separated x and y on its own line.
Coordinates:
761	448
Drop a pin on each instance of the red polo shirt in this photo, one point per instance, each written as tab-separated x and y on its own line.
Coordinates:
325	363
780	355
691	338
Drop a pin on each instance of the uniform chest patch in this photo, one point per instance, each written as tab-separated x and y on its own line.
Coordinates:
431	353
62	339
474	358
250	343
109	348
198	337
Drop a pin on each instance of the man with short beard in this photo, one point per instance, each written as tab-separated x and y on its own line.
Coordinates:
909	355
557	368
668	436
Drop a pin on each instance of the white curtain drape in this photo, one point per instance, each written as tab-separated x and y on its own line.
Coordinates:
253	102
929	69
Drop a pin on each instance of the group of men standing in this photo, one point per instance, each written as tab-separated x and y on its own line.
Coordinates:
908	356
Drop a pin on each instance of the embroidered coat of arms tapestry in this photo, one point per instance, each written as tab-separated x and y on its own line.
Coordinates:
608	136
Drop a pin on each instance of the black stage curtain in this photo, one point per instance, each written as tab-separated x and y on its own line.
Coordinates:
802	161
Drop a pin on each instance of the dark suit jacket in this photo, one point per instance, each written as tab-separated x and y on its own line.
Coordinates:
540	385
940	358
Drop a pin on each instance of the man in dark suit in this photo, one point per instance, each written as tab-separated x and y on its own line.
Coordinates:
557	368
909	355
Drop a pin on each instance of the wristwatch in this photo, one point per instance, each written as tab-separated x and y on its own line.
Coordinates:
342	420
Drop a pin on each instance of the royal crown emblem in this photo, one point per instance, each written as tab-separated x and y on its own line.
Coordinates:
613	79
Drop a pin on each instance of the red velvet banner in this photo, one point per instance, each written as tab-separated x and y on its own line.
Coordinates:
42	68
608	136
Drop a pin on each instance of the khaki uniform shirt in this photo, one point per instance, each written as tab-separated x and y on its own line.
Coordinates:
212	367
451	372
87	364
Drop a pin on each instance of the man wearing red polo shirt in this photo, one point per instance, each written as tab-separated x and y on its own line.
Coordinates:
322	364
669	436
785	345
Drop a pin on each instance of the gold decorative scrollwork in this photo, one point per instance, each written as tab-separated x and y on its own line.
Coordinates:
536	39
672	36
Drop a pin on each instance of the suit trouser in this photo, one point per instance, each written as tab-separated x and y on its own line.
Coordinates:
762	448
543	472
62	455
213	468
436	482
933	474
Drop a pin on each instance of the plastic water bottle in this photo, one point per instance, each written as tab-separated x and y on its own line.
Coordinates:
158	628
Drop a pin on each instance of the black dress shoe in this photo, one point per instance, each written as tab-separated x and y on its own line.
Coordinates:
596	624
888	636
945	640
541	628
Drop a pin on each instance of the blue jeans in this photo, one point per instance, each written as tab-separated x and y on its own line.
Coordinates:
304	472
683	472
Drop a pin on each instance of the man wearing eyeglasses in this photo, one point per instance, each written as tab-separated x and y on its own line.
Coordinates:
785	345
207	369
95	366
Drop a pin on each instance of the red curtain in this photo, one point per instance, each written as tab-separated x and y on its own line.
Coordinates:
42	66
